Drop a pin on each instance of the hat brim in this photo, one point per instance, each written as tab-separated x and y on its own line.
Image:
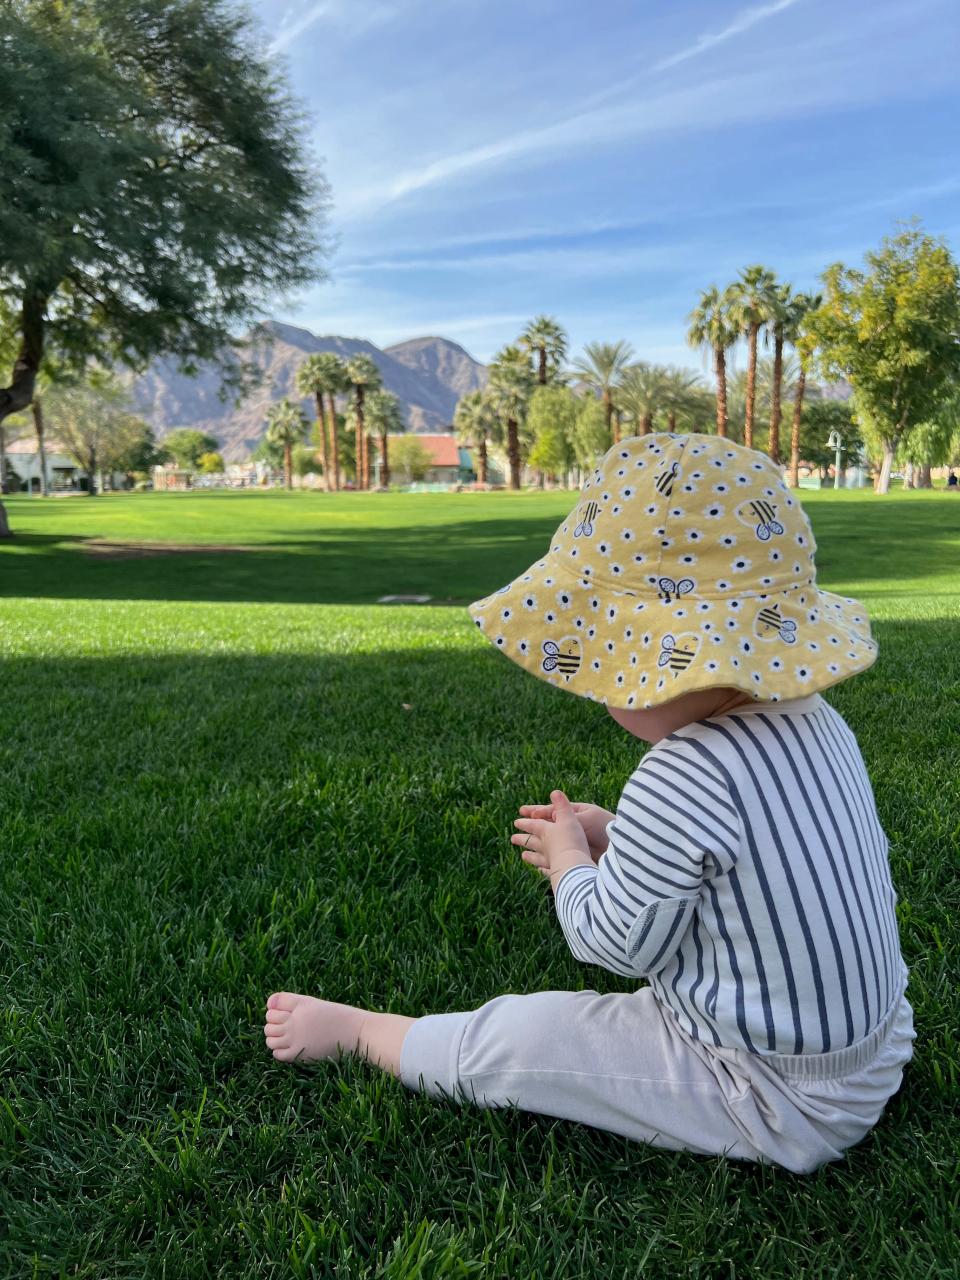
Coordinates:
634	650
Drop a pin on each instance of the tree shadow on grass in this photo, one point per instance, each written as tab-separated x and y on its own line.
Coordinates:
454	563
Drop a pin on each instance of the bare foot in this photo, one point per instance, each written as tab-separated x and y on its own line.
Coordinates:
305	1029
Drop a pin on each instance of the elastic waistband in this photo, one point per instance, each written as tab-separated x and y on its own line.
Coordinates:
808	1067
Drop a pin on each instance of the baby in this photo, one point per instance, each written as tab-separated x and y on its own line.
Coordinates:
744	874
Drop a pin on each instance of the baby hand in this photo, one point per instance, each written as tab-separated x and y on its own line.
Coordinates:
553	844
591	817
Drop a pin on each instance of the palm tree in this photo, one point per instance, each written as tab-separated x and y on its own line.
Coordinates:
600	367
510	385
641	392
681	397
750	309
316	376
711	327
779	317
286	426
545	337
363	376
474	421
384	415
801	305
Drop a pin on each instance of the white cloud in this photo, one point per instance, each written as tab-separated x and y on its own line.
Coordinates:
357	17
743	21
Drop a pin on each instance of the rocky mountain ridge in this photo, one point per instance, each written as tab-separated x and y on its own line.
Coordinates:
428	375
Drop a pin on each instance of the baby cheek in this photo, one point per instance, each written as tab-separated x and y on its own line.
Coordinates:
635	721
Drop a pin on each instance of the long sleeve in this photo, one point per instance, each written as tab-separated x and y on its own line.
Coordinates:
673	827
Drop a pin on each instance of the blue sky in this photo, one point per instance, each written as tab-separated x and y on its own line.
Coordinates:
491	160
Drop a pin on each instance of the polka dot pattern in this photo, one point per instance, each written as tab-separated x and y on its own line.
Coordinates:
686	564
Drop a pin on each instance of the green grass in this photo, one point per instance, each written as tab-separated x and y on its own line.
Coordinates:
210	788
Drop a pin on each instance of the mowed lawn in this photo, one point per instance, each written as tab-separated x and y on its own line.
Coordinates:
228	772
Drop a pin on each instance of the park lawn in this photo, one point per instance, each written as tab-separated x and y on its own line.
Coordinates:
222	775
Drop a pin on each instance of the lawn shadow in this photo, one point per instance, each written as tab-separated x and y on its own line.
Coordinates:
455	562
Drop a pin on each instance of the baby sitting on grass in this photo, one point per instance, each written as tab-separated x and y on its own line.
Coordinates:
744	874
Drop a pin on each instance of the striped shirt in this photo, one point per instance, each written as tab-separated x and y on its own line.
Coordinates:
746	878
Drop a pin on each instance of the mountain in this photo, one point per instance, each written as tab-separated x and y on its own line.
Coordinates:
428	375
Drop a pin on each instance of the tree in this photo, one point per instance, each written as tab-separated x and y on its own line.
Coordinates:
153	191
186	446
591	437
641	392
801	307
142	453
712	328
779	318
385	417
324	375
545	337
684	399
551	424
363	376
475	422
212	464
286	427
751	300
820	419
412	457
93	421
601	367
509	388
892	331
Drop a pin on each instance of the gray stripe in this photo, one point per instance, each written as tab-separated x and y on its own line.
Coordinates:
797	903
734	880
815	881
842	893
866	847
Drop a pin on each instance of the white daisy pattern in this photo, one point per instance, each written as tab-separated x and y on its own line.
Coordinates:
684	510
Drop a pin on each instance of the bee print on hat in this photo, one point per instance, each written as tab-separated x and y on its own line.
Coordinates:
564	656
665	480
588	513
668	589
677	652
761	515
770	624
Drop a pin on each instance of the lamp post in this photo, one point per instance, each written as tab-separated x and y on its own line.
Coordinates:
835	441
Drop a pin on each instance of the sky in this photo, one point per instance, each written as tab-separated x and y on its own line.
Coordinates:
493	160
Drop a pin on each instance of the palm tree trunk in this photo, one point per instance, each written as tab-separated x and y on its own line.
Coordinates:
334	448
672	420
384	462
324	453
795	429
360	437
513	452
646	423
3	459
720	366
367	451
774	448
542	372
608	410
41	447
482	455
288	465
751	387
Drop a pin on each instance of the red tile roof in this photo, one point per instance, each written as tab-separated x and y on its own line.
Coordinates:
444	451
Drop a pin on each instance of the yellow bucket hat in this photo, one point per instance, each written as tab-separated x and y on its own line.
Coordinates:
686	564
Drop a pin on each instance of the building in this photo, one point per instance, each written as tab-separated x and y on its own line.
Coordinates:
23	466
451	463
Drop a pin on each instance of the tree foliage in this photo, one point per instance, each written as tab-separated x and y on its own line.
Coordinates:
186	446
154	190
893	331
